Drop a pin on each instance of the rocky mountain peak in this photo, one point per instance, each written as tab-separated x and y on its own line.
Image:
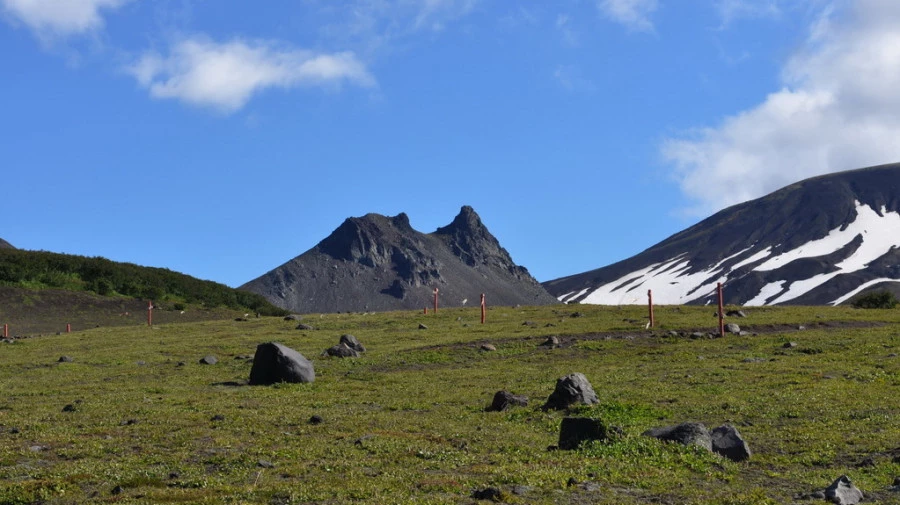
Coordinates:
376	262
470	240
5	245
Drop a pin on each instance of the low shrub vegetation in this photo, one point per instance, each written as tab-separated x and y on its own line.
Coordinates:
876	300
39	269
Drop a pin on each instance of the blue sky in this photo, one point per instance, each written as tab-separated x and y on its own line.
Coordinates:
223	138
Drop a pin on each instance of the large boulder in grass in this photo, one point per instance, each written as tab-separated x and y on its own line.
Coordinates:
274	362
570	390
685	434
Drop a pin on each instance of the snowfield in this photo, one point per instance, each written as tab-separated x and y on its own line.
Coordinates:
676	281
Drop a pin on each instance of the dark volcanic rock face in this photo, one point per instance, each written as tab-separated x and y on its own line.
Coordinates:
819	241
377	262
5	245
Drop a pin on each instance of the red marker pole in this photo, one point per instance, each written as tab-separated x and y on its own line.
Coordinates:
5	331
68	328
650	305
150	313
426	310
482	308
435	300
721	310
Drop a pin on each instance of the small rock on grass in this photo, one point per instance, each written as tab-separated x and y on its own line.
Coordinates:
572	389
265	464
209	360
65	359
685	434
727	441
504	400
843	492
573	431
422	326
489	493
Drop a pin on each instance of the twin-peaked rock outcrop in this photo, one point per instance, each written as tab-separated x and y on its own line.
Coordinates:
376	263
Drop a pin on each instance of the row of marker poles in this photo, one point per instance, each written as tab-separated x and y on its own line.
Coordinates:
483	308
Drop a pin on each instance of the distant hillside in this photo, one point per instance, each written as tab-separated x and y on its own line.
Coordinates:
375	263
42	270
820	241
5	245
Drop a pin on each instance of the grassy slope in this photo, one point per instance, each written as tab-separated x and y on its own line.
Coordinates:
405	423
47	311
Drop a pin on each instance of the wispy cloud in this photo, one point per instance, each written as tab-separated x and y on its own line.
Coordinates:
634	14
732	10
838	109
59	18
224	76
564	26
572	80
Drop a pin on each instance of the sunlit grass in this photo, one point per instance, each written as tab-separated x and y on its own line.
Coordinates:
405	423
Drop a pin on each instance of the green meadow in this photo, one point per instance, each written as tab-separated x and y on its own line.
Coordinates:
135	418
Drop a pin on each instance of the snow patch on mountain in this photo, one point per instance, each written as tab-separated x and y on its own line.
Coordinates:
676	281
861	288
670	282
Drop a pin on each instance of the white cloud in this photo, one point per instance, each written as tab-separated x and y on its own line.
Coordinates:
60	17
225	76
634	14
838	109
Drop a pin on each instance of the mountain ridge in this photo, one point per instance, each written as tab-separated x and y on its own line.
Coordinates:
735	246
376	262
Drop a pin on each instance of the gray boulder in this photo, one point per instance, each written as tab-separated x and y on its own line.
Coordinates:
304	327
209	360
685	434
573	431
274	362
504	400
351	342
843	492
733	329
341	351
727	441
735	313
571	389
